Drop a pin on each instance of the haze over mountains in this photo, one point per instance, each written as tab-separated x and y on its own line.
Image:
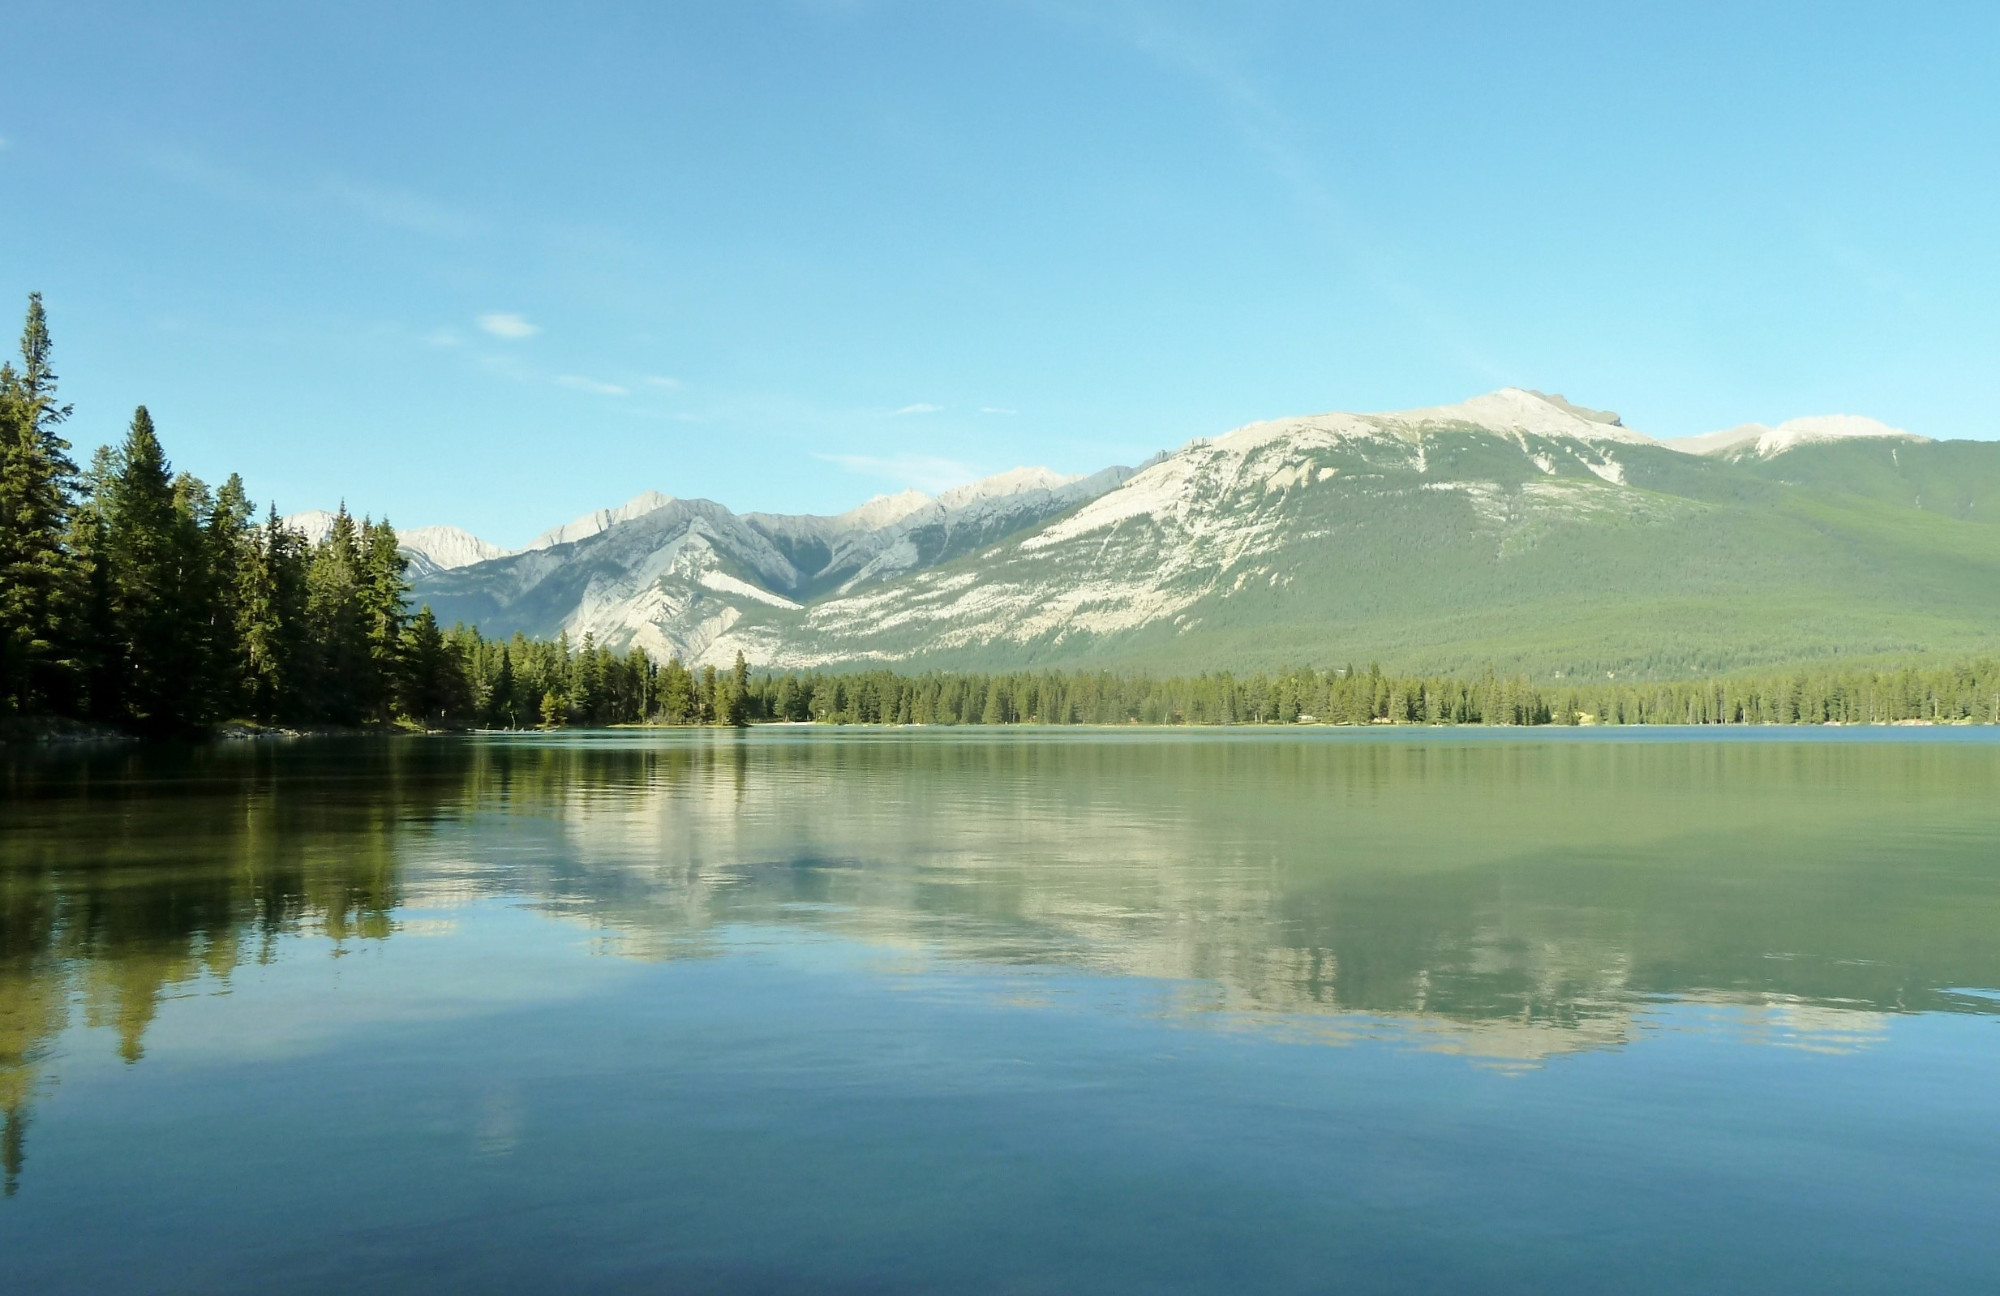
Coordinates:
1516	530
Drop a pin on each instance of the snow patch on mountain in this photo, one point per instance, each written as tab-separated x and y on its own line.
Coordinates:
1173	489
1764	442
1516	409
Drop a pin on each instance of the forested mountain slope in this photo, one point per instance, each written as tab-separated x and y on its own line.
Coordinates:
1958	479
1515	531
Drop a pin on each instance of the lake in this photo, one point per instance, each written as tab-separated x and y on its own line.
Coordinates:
1005	1011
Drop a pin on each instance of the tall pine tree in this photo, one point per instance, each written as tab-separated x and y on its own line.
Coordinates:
153	547
384	593
94	632
272	619
228	543
339	686
37	479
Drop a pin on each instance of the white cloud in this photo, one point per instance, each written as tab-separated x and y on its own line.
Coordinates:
655	380
929	473
443	337
919	408
507	324
591	385
997	409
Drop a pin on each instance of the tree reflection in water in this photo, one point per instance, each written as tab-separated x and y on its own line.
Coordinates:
1512	899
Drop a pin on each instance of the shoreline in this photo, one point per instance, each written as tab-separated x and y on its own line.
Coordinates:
22	736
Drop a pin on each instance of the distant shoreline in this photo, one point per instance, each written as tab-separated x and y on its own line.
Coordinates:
19	737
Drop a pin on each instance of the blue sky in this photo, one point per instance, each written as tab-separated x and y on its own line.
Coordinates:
495	265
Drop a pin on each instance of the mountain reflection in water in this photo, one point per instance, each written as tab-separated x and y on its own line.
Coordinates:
1511	898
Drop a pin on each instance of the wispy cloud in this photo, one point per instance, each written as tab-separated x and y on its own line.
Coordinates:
5	143
591	385
997	409
509	325
664	383
930	473
398	208
919	408
1274	137
216	180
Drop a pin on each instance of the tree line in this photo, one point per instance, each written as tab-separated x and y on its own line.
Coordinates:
1350	696
135	596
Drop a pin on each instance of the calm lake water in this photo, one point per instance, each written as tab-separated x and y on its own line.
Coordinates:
1021	1011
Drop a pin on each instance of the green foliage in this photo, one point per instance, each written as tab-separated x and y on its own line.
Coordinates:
1469	556
158	587
1967	693
338	676
37	578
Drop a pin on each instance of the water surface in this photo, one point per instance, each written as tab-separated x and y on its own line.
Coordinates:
1017	1011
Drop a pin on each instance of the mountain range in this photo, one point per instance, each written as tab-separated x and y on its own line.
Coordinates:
1516	530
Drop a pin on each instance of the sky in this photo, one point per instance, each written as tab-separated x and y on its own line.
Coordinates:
496	265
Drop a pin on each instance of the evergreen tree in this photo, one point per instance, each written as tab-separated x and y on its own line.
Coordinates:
639	669
586	682
37	480
705	697
739	693
229	545
192	609
502	710
677	703
430	673
384	594
93	646
340	684
995	710
271	624
152	546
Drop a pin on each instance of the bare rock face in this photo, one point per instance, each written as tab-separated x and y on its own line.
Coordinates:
1515	530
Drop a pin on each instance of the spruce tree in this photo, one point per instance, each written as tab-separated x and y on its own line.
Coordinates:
384	594
639	667
94	638
147	547
272	619
339	676
37	481
193	595
586	682
739	692
229	545
677	704
501	708
427	672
